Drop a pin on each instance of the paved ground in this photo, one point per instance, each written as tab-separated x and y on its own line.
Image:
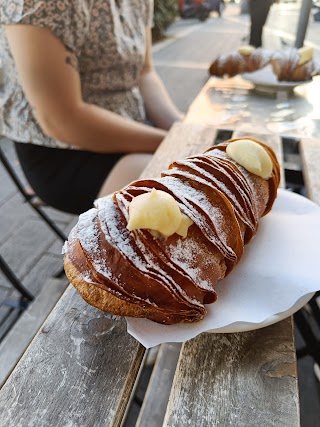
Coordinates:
182	59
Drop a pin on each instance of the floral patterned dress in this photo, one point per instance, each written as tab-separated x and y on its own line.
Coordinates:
108	38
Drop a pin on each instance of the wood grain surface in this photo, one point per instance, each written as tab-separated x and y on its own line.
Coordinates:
81	368
157	395
78	371
247	379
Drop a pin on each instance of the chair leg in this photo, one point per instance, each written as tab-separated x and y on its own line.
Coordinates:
20	305
312	343
60	273
315	308
49	222
14	280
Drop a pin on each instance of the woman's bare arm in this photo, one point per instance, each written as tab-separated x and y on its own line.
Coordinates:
159	106
52	86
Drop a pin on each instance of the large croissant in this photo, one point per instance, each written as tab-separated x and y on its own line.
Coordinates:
168	280
231	64
287	67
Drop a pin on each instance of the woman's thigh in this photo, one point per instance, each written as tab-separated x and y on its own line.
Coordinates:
68	180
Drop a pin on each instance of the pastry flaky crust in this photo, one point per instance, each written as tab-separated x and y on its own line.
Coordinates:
132	273
286	67
231	64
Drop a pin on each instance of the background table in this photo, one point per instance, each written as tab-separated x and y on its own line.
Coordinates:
234	103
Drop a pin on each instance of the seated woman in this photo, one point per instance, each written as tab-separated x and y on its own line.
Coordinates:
79	92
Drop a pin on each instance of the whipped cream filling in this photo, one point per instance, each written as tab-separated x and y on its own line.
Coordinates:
158	212
252	156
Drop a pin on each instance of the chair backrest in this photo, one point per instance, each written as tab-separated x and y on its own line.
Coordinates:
29	198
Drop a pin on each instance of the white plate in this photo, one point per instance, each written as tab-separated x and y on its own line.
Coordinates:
266	81
246	326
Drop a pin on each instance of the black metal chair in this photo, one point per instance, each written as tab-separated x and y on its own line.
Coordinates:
31	199
19	305
307	321
16	307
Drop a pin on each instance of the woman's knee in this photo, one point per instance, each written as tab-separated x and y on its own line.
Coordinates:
134	159
126	170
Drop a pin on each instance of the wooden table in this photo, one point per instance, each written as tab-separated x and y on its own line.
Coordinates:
235	104
81	368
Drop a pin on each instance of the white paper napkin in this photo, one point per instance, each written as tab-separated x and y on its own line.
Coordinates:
277	275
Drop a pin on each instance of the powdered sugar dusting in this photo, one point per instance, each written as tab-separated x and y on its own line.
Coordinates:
212	223
185	253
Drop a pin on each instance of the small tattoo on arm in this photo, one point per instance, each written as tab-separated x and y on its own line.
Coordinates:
71	60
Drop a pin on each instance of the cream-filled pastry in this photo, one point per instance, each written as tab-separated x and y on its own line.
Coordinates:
157	248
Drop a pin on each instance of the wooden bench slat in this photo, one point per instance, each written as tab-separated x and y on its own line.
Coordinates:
310	157
241	380
245	378
157	395
79	370
18	339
